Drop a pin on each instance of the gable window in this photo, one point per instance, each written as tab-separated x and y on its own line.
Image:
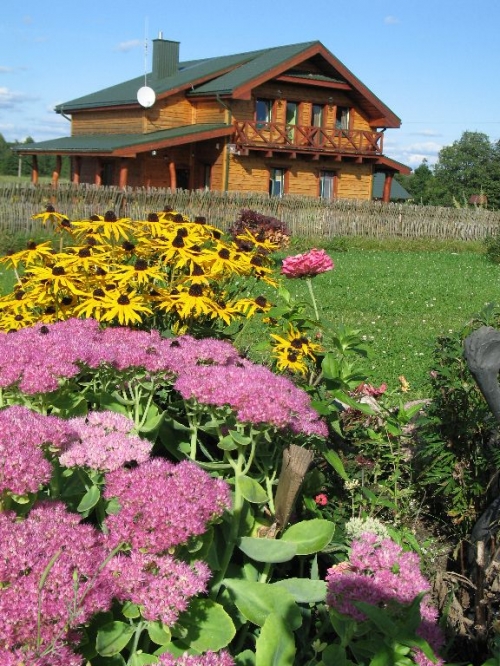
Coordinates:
327	184
263	111
277	182
342	118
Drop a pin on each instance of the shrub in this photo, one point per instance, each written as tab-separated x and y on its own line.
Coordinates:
262	227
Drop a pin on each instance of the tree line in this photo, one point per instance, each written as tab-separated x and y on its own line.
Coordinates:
467	169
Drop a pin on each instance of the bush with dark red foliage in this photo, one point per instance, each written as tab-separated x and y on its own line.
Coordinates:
263	227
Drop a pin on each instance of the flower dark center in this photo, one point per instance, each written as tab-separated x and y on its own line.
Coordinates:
153	217
224	253
256	261
141	265
98	293
261	301
58	270
178	242
195	290
182	232
50	209
292	356
100	271
31	245
128	246
67	300
123	300
44	330
199	219
84	252
110	216
197	270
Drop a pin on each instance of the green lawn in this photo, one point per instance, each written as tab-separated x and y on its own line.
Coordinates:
401	302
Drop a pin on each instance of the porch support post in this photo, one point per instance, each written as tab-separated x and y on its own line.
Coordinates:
123	174
386	195
34	169
97	175
77	167
57	171
173	175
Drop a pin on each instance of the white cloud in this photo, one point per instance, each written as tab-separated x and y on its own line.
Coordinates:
128	46
391	20
6	70
427	132
10	98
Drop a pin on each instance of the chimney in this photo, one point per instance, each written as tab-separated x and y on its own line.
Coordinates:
165	58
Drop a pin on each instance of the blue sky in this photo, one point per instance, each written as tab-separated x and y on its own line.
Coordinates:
435	63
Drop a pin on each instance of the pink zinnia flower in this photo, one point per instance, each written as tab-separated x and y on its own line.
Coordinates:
307	265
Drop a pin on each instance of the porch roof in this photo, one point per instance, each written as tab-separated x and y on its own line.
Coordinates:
125	145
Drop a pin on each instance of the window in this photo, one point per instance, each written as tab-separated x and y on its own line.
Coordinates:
263	109
292	112
327	184
277	182
317	115
342	118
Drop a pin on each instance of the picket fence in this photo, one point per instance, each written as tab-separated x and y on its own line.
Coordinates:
305	216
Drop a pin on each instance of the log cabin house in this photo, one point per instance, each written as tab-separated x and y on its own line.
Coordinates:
290	119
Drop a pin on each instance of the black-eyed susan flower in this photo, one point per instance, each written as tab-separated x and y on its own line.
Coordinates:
33	254
91	305
296	341
250	306
59	221
126	307
108	226
55	278
290	360
138	274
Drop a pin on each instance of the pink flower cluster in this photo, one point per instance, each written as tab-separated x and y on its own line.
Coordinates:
308	264
370	390
380	573
212	372
185	499
103	441
52	542
23	437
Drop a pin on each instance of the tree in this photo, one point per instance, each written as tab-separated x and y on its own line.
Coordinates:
420	184
469	166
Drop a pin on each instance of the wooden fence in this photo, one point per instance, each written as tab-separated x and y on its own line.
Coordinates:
305	216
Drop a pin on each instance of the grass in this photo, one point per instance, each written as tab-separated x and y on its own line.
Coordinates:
401	302
400	295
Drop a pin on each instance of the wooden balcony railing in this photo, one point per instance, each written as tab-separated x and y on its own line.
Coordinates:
278	136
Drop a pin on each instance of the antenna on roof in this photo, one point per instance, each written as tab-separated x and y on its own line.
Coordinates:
146	96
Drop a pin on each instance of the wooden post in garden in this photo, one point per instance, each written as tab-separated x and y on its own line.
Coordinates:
296	461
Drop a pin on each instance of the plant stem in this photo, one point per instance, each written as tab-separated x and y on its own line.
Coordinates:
311	293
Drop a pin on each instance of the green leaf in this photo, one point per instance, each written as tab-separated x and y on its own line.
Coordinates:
379	618
275	645
310	536
304	590
153	421
89	500
267	550
333	458
245	658
159	633
130	610
113	637
240	439
141	659
207	626
115	660
251	490
256	601
227	443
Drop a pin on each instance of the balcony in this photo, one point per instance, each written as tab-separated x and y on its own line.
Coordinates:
306	139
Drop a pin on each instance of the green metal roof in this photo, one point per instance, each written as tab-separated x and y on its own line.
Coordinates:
114	143
398	192
244	66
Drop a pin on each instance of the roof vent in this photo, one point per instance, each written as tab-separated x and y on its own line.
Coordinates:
165	58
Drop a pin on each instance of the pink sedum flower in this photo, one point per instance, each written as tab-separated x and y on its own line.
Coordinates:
380	573
308	264
186	499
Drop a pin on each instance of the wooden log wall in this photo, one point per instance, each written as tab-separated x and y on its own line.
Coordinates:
305	216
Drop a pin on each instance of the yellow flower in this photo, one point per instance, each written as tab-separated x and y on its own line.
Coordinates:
108	226
249	306
124	306
60	222
404	385
31	255
290	360
91	305
257	241
138	274
298	342
55	278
